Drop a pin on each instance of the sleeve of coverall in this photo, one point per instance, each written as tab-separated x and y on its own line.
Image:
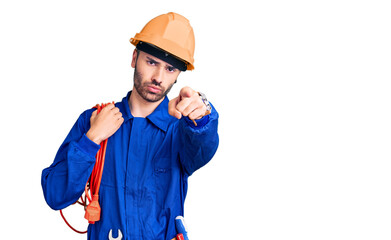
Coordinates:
198	143
64	181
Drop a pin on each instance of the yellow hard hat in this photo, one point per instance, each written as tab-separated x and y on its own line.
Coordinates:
172	33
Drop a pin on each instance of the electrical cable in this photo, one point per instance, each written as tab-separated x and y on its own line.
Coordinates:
91	191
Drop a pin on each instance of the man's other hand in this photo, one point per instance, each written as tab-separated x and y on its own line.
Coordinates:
104	124
188	104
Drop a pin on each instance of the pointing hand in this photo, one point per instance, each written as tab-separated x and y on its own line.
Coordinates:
188	104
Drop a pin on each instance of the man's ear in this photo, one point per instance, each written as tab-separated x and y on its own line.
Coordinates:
134	58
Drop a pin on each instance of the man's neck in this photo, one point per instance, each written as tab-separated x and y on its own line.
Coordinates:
139	107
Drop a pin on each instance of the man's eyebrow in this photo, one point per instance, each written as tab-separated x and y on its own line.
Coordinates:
152	60
156	61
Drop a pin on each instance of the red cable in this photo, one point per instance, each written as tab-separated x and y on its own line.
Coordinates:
93	185
69	225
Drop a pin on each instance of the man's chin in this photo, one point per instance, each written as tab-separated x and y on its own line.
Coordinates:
152	97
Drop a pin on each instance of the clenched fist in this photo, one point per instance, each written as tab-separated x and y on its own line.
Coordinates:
188	104
104	124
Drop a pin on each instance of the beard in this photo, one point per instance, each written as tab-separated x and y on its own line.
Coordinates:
142	88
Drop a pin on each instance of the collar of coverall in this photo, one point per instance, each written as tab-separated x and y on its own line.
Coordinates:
158	117
162	55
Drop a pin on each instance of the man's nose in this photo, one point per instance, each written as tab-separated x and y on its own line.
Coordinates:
158	75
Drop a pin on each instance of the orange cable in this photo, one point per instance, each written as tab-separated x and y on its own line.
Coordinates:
91	191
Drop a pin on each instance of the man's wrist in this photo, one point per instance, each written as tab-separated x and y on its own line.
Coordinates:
93	137
206	102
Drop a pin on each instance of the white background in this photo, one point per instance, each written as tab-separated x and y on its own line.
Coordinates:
302	88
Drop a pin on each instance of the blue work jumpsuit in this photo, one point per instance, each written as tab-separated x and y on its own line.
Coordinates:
144	181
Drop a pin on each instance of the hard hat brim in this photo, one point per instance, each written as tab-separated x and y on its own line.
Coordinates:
162	55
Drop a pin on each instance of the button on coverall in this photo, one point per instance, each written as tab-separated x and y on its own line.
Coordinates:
144	182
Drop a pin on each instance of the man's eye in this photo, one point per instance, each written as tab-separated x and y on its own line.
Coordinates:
171	69
151	62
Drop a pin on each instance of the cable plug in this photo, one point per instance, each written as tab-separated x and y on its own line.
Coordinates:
93	210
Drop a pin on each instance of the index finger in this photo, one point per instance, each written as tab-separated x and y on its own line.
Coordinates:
172	108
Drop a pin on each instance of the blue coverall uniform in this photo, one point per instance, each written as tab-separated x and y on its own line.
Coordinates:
144	181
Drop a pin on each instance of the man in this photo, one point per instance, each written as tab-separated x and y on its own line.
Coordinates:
154	144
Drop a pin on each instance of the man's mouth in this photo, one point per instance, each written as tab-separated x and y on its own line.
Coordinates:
153	89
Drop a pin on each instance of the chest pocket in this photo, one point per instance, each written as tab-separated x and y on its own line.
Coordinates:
162	166
163	174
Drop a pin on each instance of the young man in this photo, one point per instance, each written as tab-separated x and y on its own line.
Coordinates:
154	144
